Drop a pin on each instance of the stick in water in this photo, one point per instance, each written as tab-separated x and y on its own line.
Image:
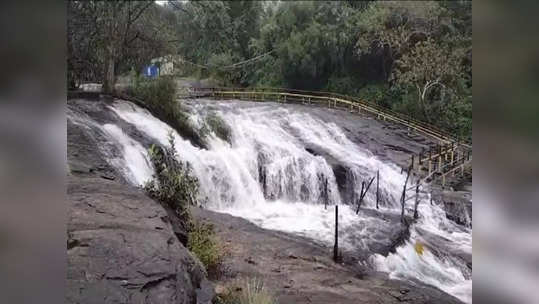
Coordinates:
336	246
377	187
403	198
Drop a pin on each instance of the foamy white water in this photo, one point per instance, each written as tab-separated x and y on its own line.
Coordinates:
132	158
275	139
135	161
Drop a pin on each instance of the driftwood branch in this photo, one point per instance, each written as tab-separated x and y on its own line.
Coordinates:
403	197
363	193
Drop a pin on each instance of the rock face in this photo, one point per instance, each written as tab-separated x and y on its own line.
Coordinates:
296	270
458	207
121	245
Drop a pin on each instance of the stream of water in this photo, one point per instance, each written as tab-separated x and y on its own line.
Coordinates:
272	138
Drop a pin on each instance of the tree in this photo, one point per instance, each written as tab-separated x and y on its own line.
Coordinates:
429	66
82	60
389	29
105	35
311	41
203	28
115	22
411	56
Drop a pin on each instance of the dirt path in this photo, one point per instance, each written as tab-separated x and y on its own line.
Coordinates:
297	271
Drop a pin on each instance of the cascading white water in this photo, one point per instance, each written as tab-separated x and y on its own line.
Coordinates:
275	138
132	160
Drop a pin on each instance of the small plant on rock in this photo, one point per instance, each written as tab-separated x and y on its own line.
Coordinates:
204	244
173	182
250	292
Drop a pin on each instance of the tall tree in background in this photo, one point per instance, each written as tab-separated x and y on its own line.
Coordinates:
107	34
432	70
115	22
411	56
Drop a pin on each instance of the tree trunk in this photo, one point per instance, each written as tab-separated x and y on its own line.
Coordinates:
108	83
424	108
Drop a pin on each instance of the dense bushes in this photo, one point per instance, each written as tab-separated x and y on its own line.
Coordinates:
176	186
382	51
173	183
159	96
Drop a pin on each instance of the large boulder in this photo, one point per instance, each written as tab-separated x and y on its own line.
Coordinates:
122	249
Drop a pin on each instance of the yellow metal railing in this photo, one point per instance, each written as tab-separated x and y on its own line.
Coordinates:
331	100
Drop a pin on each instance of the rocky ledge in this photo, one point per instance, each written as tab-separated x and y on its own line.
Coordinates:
296	270
121	245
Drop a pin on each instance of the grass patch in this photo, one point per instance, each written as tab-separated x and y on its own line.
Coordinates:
249	292
204	244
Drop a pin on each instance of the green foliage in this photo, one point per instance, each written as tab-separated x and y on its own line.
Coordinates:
377	93
209	28
251	292
311	42
388	52
107	38
435	74
159	97
203	242
173	183
227	76
158	94
219	127
344	85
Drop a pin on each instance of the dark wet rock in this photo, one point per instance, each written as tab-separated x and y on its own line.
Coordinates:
345	182
383	238
120	250
296	270
343	175
398	148
458	207
312	151
206	293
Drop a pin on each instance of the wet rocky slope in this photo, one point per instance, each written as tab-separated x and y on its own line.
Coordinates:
121	245
296	270
116	233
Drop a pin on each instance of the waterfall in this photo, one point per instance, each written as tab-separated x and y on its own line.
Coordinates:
274	171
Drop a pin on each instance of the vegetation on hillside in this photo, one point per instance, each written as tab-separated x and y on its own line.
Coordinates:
159	96
410	56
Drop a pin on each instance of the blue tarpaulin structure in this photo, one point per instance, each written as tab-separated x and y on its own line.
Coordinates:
151	71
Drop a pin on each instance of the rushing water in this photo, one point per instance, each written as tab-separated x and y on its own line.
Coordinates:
272	139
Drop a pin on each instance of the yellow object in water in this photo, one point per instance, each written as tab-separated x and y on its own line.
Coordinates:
419	248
